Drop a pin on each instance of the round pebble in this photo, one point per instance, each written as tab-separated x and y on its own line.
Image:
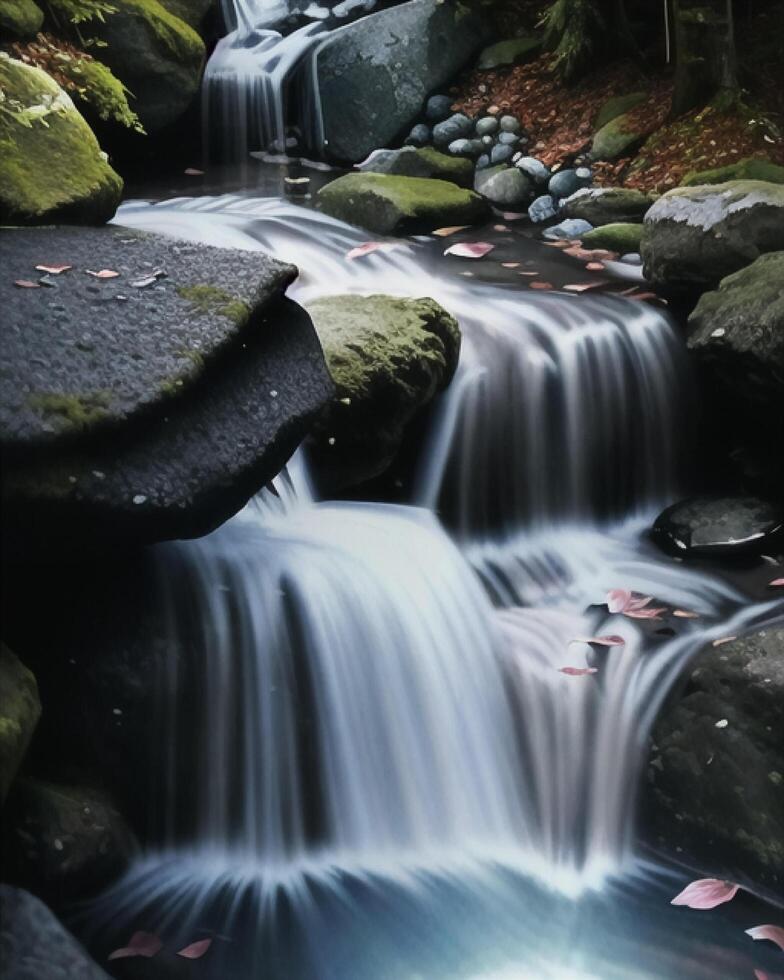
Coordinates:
510	125
486	126
438	108
508	139
501	153
420	135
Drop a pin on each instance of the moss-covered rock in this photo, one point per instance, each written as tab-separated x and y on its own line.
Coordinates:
157	55
514	51
695	236
617	106
388	357
20	19
606	205
425	161
750	168
388	204
619	137
621	237
192	12
51	166
715	794
20	710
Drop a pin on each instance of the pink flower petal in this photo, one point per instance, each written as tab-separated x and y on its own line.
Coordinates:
762	975
366	249
685	614
451	230
774	934
193	172
196	950
103	274
145	944
53	270
639	603
602	641
706	893
27	284
578	671
722	640
469	250
618	600
643	613
777	583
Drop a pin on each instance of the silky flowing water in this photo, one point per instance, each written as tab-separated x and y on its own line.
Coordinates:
371	764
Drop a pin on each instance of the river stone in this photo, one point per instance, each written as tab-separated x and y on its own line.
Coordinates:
720	527
737	333
420	135
509	124
617	237
504	186
466	148
388	357
375	74
438	108
570	228
458	126
535	169
392	205
542	209
20	710
63	842
483	162
153	412
51	169
695	236
607	205
617	106
486	126
21	19
192	12
715	792
619	137
514	51
501	154
508	139
749	168
563	183
33	944
155	54
410	161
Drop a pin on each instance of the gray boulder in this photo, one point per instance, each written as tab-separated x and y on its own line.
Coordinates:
607	205
715	790
33	944
695	236
20	710
505	187
142	408
375	74
410	161
703	527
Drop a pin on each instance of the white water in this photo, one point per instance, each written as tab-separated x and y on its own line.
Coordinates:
356	706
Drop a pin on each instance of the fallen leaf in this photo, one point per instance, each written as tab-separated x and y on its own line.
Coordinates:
643	613
145	944
639	603
470	250
27	284
53	270
510	265
537	284
192	172
513	215
103	274
578	671
646	296
618	600
774	934
196	950
500	228
453	229
365	249
578	287
595	267
706	893
777	583
528	273
722	640
603	641
685	614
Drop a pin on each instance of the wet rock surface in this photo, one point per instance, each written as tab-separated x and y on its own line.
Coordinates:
410	161
20	710
720	527
607	205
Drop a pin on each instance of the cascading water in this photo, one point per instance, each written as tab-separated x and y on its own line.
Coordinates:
376	760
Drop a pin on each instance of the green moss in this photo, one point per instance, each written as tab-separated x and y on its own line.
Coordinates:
20	18
515	51
212	299
618	137
620	237
51	166
617	106
105	93
750	168
71	410
19	713
174	34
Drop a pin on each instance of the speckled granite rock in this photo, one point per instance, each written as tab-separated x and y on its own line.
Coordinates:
146	412
719	527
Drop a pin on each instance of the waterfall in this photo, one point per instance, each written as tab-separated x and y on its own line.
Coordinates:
375	761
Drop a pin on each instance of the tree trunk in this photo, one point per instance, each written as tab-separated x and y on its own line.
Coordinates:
704	52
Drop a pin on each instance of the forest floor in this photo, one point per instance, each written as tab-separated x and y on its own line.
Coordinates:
560	118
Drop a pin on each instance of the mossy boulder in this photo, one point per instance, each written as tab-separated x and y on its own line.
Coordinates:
513	51
715	793
156	55
425	161
51	166
749	169
695	236
619	137
606	205
617	106
192	12
621	237
20	710
20	19
737	333
389	205
388	357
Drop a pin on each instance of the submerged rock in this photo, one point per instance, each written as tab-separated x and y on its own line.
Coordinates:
715	793
33	944
620	237
410	161
607	205
720	527
695	236
388	357
144	407
388	205
375	74
20	710
51	166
